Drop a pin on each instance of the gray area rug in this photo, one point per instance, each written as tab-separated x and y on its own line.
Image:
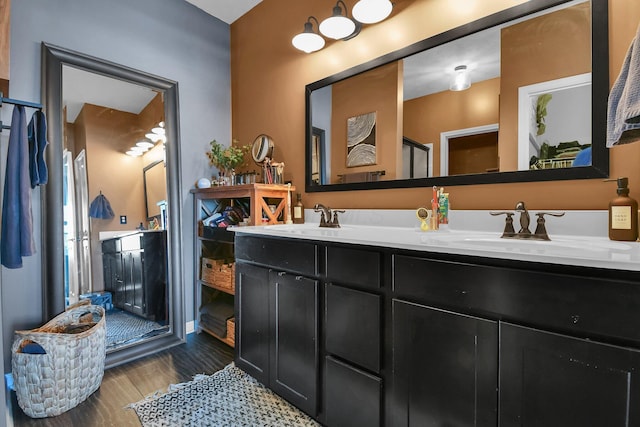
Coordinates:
228	398
123	327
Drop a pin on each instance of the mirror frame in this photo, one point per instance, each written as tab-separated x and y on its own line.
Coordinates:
599	96
53	59
145	181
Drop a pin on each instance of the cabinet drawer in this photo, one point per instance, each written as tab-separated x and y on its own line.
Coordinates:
352	397
588	306
353	326
290	255
110	246
353	266
131	243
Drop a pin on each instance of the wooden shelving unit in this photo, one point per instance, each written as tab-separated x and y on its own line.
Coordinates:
217	242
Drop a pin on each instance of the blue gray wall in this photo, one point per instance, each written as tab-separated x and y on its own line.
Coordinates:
169	38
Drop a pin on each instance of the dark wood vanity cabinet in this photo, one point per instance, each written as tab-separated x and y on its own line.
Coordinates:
278	318
445	368
135	273
549	379
410	338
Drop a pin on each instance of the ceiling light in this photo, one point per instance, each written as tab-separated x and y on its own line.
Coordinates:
138	149
144	144
338	26
158	130
461	79
308	40
134	153
371	11
154	137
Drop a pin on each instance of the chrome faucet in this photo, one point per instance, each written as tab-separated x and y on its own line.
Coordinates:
325	216
525	221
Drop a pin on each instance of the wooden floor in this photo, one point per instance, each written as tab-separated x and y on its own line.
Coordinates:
128	383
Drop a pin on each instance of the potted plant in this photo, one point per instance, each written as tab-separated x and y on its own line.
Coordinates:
226	159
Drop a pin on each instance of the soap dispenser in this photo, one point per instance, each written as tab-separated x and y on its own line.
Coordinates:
623	214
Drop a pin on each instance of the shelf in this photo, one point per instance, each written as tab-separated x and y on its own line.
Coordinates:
217	242
217	288
225	340
258	195
218	234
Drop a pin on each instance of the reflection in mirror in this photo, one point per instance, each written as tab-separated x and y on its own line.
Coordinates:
526	116
114	259
155	192
262	149
123	250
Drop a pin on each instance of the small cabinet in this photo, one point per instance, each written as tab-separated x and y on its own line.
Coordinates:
550	379
135	273
278	321
216	208
445	368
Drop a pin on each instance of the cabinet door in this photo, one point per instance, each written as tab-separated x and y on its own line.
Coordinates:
133	282
444	368
252	321
548	380
294	339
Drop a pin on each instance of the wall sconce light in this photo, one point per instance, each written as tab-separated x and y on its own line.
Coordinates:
371	11
461	79
158	133
338	26
308	40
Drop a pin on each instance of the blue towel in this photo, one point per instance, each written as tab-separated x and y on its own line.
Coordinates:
583	158
623	116
17	223
37	134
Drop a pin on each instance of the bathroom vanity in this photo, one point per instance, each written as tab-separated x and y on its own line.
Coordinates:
372	326
135	272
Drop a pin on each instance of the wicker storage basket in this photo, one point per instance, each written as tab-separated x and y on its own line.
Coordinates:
216	272
72	368
231	329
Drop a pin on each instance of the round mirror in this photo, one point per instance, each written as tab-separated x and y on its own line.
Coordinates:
262	148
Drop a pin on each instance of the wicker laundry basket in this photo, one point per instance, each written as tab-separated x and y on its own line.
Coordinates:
72	368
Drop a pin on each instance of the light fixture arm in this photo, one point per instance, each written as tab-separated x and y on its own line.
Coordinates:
309	26
338	12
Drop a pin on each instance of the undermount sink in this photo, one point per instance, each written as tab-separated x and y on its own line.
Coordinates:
560	244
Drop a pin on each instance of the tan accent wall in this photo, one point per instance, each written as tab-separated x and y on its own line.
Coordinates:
5	45
268	96
426	117
373	91
544	59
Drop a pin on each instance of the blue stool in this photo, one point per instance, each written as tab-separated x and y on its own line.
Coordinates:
102	298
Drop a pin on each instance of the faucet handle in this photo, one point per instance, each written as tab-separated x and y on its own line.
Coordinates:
509	231
335	223
541	229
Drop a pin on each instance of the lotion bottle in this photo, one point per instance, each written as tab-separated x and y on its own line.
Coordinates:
623	214
298	211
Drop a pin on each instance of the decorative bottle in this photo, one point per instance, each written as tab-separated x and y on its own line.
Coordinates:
623	214
298	211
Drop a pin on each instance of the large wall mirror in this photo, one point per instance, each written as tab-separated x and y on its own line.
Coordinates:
517	96
111	210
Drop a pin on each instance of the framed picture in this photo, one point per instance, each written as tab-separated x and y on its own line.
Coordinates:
361	140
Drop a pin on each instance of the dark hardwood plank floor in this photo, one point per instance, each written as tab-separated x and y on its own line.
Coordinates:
131	382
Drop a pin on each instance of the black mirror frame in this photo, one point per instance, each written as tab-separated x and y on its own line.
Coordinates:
599	87
53	58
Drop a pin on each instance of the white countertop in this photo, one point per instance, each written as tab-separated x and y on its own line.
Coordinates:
565	249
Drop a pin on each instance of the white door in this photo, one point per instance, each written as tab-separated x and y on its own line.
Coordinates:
82	221
71	288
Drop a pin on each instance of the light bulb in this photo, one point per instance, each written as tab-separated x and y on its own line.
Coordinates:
371	11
